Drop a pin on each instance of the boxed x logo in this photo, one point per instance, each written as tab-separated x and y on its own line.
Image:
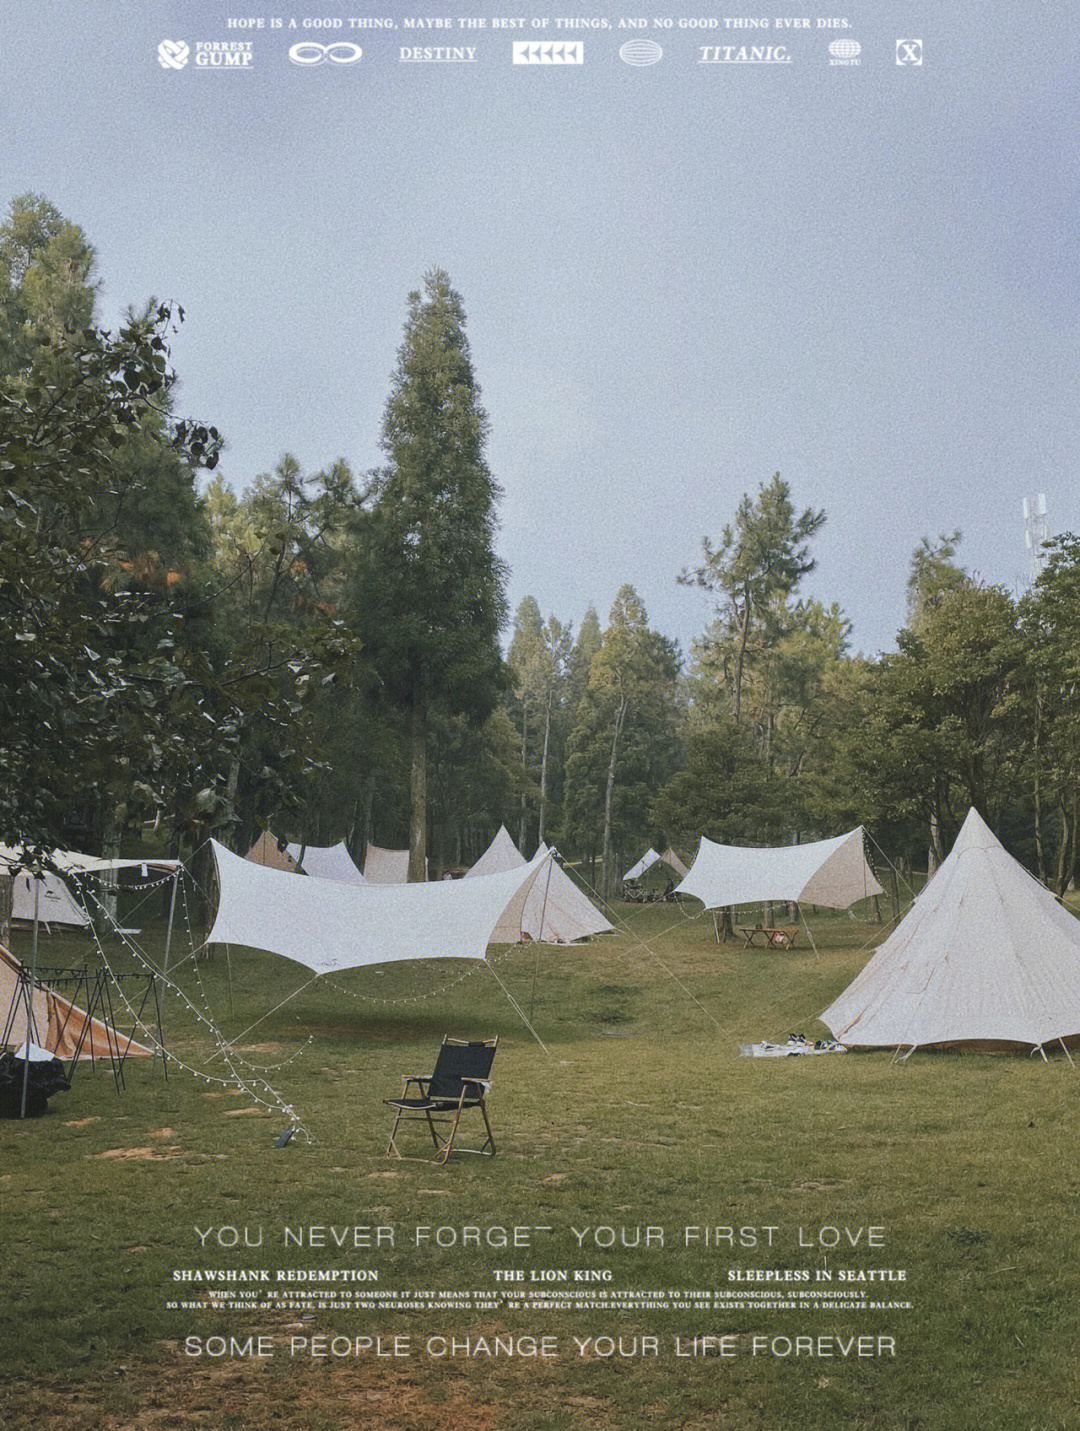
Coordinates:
909	52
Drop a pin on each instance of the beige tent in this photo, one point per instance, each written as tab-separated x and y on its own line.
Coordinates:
265	852
58	1024
985	956
386	866
555	910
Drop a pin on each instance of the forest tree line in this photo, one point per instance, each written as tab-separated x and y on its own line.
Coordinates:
321	653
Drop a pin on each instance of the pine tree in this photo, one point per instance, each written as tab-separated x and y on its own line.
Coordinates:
429	596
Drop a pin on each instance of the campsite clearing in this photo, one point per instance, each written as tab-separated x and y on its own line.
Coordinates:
644	1117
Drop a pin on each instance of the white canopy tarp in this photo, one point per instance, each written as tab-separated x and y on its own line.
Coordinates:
12	856
327	862
833	873
984	955
555	911
329	926
386	866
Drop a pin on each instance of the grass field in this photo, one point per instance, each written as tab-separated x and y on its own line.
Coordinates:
641	1115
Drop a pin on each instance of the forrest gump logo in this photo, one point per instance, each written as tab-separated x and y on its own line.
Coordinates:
209	54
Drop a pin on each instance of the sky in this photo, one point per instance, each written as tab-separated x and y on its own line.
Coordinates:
679	277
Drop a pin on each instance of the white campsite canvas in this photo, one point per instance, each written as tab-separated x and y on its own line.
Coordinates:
55	902
555	911
386	866
984	955
646	862
833	873
330	926
327	862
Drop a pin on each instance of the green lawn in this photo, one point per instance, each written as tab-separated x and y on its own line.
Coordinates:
641	1114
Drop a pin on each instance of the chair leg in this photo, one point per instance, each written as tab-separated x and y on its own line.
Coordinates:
444	1152
391	1147
487	1125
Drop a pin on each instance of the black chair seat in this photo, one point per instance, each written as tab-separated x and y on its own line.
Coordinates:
435	1105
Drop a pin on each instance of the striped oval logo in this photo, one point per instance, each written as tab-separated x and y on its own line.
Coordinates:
640	52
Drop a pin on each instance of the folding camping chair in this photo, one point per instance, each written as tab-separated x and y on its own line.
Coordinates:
460	1081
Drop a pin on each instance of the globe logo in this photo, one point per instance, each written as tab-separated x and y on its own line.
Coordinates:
640	52
845	49
173	54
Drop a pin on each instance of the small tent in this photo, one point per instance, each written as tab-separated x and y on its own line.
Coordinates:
54	901
650	858
265	851
833	873
386	866
58	1024
985	956
555	912
326	862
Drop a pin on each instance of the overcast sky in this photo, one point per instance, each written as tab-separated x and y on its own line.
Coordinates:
679	277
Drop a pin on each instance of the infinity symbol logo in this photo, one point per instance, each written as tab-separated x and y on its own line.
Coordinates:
172	54
307	52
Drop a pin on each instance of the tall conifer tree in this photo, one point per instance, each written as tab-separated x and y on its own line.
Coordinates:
430	597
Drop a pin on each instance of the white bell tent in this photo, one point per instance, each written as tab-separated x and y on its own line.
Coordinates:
833	873
555	911
330	926
985	956
326	862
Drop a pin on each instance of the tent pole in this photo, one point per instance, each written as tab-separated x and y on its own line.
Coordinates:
540	936
172	914
31	1026
518	1010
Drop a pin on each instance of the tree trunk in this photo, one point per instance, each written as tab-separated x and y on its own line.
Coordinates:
523	825
7	895
543	771
417	794
607	858
740	660
1040	862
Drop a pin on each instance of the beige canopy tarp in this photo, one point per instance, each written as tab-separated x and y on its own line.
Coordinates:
386	866
986	955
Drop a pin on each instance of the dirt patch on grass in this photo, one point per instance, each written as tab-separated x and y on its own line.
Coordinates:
80	1122
152	1155
175	1392
248	1112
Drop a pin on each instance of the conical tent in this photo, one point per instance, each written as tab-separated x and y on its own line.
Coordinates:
555	912
985	956
326	862
265	851
650	858
833	873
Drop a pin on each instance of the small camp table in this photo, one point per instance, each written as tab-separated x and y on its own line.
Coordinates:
778	938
